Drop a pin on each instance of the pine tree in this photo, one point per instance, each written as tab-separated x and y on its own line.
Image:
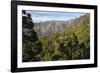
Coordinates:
32	47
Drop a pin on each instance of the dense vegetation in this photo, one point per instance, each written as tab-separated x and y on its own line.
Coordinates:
70	44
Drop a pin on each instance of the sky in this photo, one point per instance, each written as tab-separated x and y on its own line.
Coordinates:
42	16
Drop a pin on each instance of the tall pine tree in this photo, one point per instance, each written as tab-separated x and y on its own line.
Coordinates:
32	47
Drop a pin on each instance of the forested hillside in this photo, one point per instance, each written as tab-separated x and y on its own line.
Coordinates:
72	43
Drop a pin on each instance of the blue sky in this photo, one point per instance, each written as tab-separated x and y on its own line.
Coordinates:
41	16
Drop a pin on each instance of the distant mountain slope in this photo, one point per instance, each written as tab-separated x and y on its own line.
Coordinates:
48	27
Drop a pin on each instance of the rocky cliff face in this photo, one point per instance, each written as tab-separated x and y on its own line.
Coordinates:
48	27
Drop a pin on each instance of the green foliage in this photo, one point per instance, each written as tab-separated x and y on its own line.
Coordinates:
70	44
